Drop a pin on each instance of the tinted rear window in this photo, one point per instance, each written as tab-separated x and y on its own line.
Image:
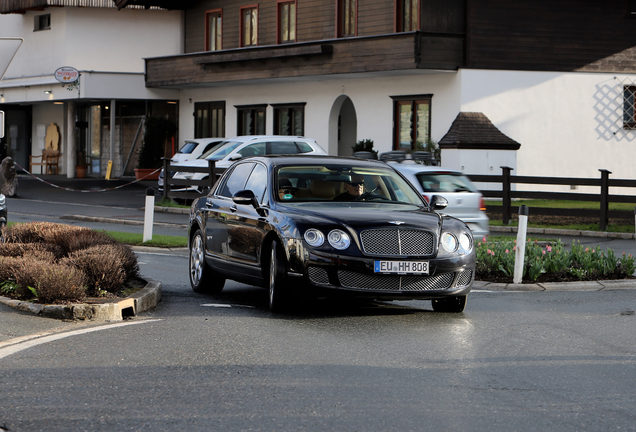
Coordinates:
188	148
445	182
303	147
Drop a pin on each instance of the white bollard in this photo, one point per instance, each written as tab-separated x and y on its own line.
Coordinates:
149	214
520	253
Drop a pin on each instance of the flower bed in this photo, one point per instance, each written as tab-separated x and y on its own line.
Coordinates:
550	262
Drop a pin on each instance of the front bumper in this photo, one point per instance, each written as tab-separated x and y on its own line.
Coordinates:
340	276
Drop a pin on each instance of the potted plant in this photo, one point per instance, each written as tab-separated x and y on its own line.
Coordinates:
365	145
80	166
157	131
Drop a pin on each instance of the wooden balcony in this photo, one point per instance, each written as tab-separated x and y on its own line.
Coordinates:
384	53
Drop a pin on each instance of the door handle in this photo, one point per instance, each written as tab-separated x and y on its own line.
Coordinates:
233	208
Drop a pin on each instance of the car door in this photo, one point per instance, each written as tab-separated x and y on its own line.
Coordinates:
246	227
219	210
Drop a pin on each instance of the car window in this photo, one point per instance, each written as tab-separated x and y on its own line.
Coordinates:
282	147
209	146
236	180
303	147
257	149
220	150
445	182
188	148
257	182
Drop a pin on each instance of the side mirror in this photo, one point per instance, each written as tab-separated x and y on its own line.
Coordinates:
236	156
245	197
438	202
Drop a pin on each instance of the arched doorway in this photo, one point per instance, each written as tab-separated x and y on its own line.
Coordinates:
343	127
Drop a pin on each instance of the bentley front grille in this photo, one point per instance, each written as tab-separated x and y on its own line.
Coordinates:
397	241
356	280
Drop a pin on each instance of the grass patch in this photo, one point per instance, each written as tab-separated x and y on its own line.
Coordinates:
170	203
577	227
562	204
162	241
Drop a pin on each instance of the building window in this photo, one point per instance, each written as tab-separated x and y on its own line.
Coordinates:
209	119
347	17
289	119
629	107
287	22
249	26
213	30
251	120
42	22
408	15
412	122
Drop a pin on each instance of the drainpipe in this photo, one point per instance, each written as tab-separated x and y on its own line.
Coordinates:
113	107
71	147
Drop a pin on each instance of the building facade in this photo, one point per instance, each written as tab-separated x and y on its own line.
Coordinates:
98	117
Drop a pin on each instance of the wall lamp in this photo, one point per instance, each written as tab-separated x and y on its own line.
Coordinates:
48	91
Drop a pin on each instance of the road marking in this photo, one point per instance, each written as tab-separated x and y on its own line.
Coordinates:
40	339
221	305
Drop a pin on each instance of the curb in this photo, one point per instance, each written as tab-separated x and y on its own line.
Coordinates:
604	285
143	300
565	232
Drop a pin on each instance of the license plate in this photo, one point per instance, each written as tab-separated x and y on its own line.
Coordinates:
401	267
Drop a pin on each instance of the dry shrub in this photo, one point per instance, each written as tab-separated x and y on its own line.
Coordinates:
42	251
69	238
106	266
7	265
51	281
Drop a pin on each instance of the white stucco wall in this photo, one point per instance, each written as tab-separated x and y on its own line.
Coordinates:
92	39
370	97
568	124
44	114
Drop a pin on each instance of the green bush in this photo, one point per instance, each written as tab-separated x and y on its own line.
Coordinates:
550	262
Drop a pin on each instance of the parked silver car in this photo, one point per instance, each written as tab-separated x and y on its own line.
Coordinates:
193	148
465	202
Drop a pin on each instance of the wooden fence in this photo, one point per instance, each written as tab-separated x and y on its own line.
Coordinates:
170	183
603	197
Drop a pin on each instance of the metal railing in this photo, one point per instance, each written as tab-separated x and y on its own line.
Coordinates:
188	189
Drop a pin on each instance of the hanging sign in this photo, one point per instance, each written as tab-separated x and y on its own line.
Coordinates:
67	75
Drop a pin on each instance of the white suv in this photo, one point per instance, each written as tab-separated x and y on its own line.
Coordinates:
229	151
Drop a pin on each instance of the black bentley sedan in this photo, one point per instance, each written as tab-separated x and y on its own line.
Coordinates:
328	226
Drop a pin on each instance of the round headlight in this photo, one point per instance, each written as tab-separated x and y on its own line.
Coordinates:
339	239
449	242
314	237
466	241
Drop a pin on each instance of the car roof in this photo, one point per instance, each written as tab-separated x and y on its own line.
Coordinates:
417	168
247	138
281	160
204	140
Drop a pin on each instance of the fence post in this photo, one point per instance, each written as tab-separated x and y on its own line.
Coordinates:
505	194
212	168
166	178
604	199
520	253
149	214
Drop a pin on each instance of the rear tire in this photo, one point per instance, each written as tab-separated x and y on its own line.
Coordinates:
278	295
203	278
454	304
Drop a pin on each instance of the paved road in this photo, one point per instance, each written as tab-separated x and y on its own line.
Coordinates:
549	361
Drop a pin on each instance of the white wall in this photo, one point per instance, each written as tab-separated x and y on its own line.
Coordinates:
45	114
370	96
568	124
92	39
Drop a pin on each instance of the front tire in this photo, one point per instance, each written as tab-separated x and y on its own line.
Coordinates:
278	301
454	304
203	278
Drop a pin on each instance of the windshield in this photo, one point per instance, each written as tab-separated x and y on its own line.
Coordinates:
220	150
314	183
445	182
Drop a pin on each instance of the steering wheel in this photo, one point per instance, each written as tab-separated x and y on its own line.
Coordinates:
369	196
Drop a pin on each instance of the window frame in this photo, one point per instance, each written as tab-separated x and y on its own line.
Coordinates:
399	14
340	17
208	13
211	127
299	106
413	100
253	109
279	21
243	9
37	22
